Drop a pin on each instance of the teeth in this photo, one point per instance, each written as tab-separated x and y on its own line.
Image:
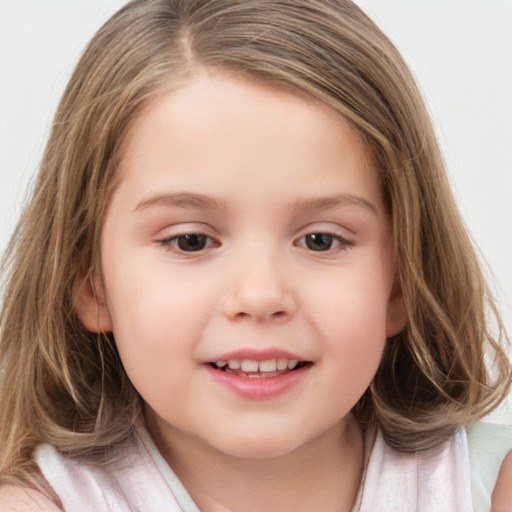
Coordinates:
268	366
282	364
253	366
249	366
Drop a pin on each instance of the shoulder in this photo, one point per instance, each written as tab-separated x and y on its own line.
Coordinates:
491	468
19	499
502	494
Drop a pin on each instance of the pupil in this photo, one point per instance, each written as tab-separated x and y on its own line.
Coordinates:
319	241
193	242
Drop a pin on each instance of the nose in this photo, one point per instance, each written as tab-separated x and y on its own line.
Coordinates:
260	289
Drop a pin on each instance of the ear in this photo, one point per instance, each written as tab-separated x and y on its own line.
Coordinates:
91	305
396	315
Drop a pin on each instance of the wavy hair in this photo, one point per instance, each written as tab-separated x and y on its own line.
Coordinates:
65	385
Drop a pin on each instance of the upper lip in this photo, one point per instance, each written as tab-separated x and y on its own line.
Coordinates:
257	355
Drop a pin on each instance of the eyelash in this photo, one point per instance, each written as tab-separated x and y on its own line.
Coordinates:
170	243
343	243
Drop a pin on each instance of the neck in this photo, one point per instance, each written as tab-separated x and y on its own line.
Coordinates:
322	475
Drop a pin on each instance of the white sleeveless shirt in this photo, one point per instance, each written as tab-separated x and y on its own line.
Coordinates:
436	480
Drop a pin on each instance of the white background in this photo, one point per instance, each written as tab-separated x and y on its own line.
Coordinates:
459	50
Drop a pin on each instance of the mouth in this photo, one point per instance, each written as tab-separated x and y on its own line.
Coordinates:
252	368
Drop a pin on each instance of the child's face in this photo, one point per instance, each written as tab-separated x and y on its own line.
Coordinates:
248	225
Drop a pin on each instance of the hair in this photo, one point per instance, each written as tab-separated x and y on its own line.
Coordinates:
65	385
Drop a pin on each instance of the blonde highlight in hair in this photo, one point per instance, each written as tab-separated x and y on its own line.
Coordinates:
65	385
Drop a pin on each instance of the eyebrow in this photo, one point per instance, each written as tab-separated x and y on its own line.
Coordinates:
189	200
332	202
182	200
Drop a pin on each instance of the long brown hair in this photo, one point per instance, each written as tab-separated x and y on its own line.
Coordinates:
65	385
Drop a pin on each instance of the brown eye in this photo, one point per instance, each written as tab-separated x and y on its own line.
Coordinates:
192	242
319	241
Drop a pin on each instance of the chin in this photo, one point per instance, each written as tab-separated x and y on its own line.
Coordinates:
259	445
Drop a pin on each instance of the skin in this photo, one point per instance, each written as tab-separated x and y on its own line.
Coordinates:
502	495
16	499
252	189
274	168
264	154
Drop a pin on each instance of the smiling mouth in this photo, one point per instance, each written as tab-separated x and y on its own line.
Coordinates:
251	368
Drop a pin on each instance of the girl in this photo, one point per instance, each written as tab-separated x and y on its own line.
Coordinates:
241	283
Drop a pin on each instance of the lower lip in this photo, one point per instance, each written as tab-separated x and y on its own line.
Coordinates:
259	388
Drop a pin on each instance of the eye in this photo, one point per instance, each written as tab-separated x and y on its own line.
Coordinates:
322	242
190	242
319	241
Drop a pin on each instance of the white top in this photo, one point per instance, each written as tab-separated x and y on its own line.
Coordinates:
436	480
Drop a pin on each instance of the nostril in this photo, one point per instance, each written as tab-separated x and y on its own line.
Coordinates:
276	316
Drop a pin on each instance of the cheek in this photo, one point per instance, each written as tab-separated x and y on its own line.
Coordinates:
350	302
156	321
153	301
349	316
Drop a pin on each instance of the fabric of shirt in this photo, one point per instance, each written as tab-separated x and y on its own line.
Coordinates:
436	480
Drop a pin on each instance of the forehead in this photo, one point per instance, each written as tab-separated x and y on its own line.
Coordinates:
215	130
